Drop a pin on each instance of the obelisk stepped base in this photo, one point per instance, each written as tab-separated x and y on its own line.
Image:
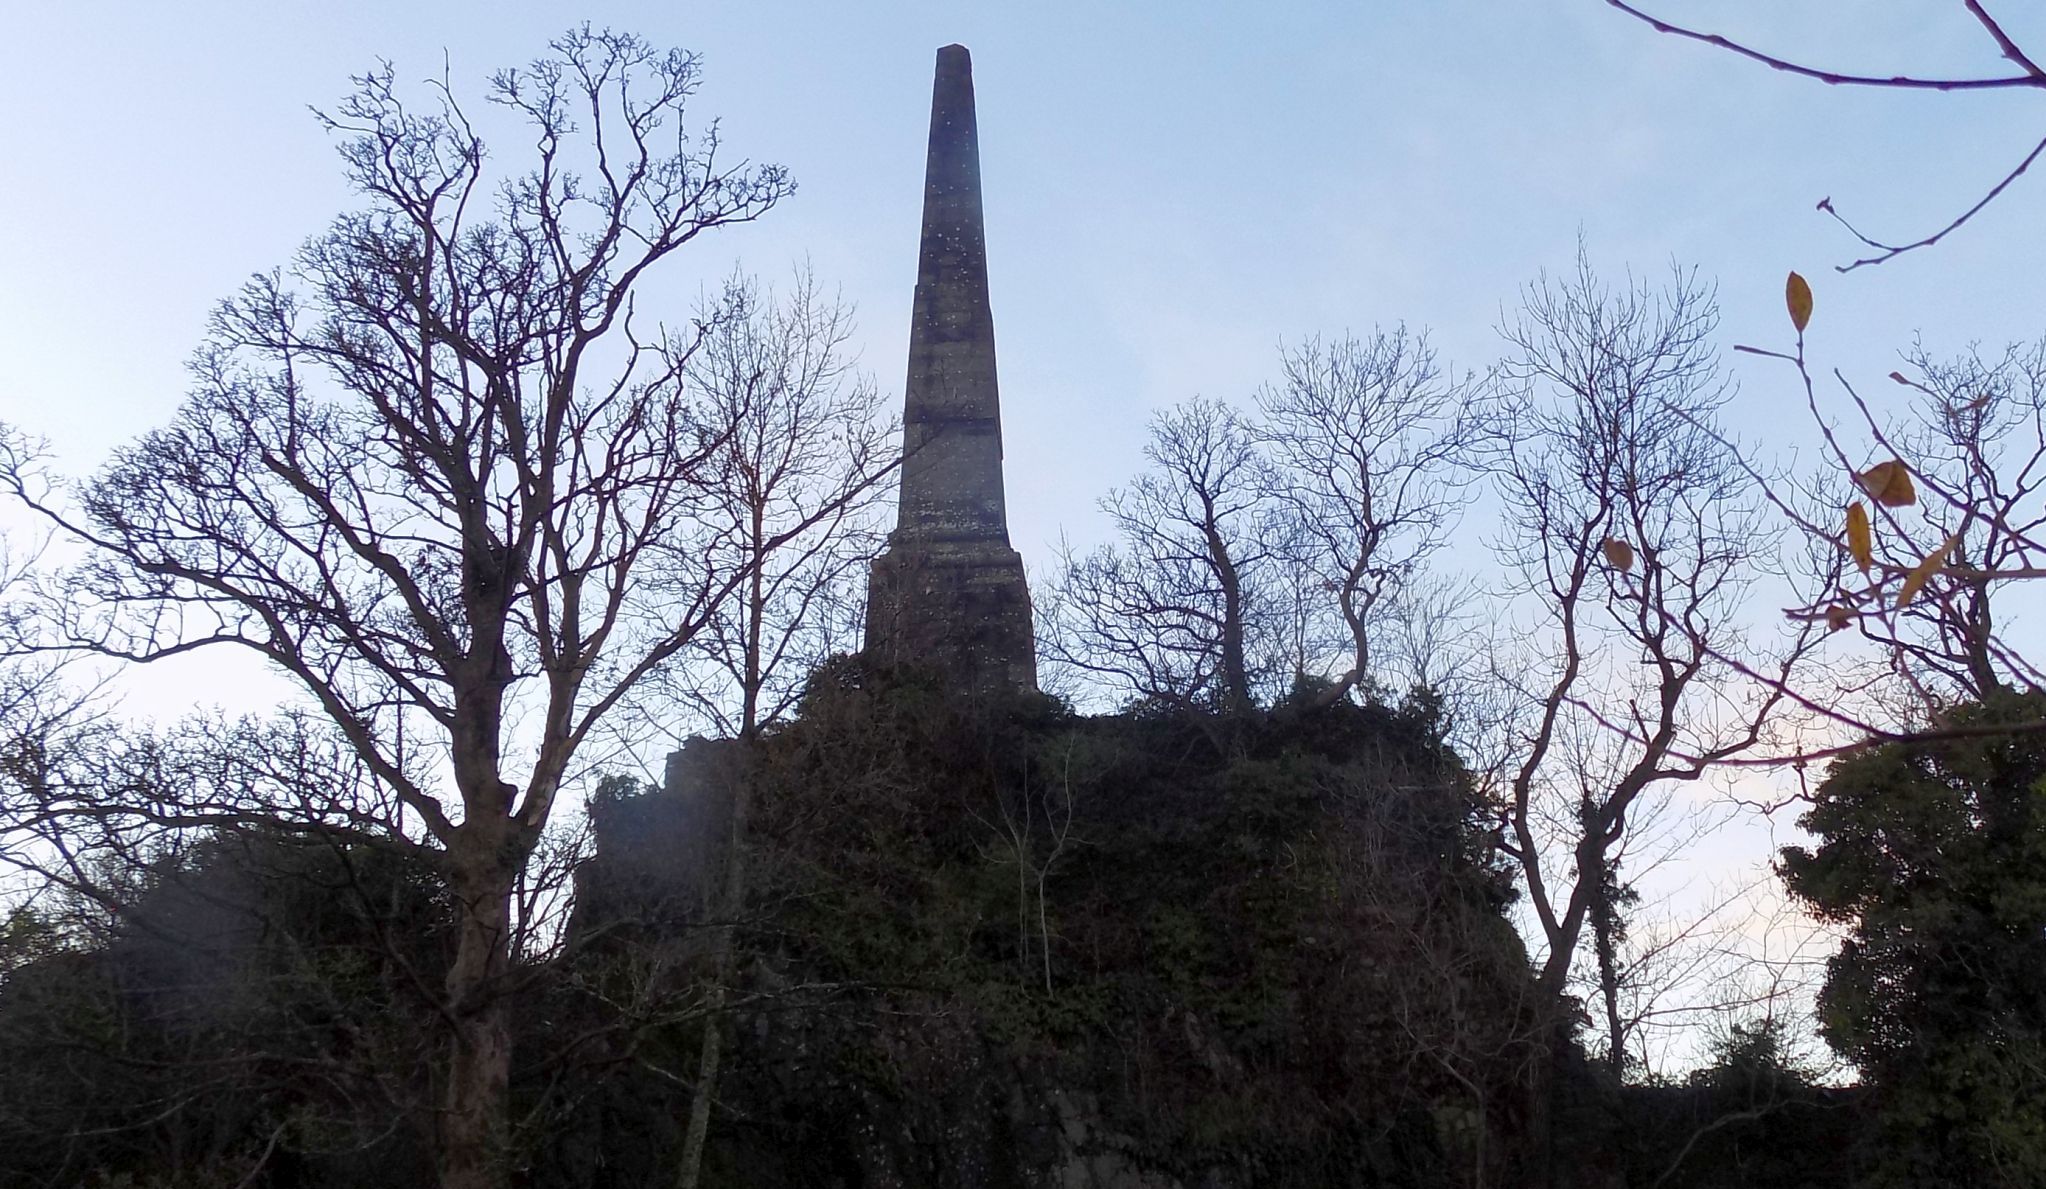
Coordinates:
960	608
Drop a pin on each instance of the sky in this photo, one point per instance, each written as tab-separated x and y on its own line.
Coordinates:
1172	190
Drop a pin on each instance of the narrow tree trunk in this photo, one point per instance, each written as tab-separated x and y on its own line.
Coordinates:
1977	639
1022	904
691	1164
1607	931
1235	667
732	894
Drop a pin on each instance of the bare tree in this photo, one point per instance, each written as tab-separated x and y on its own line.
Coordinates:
1368	440
1634	534
1744	950
1972	448
1913	529
1976	438
1439	633
1283	546
436	473
795	484
285	968
1183	610
2027	75
792	484
1928	567
1661	968
1016	810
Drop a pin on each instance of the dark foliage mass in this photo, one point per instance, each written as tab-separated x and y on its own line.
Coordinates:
987	943
1933	856
1751	1118
993	941
247	1002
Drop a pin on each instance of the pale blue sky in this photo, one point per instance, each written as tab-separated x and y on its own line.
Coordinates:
1171	187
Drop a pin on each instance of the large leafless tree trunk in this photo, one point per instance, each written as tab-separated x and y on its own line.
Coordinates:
438	473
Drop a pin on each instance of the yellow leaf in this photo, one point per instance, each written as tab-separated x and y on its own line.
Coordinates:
1890	484
1860	541
1923	571
1798	296
1619	554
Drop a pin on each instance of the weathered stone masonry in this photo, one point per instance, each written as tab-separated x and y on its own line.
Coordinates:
949	591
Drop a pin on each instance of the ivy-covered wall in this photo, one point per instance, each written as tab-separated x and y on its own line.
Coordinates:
990	942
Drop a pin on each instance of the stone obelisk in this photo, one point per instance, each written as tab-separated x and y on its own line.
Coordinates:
949	593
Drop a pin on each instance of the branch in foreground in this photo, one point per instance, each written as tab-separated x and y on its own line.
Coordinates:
2033	76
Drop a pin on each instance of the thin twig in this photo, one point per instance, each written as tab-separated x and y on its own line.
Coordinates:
1829	77
2003	42
1891	251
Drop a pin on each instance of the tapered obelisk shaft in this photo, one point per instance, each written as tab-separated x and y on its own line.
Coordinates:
952	442
949	593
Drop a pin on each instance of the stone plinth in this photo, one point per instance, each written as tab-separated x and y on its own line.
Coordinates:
961	607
